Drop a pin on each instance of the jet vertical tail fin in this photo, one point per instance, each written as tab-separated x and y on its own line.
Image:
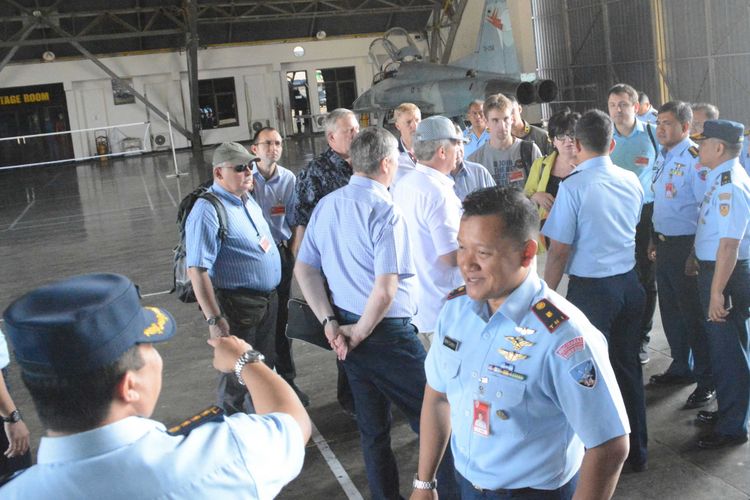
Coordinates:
496	49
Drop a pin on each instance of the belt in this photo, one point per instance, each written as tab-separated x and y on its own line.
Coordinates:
683	237
246	291
711	264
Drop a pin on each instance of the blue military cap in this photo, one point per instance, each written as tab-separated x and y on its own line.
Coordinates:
726	130
81	323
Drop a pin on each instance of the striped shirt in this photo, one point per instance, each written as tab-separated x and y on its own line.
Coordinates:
355	234
239	261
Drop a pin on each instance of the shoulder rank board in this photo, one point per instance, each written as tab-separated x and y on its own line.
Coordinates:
693	151
726	178
549	315
457	292
211	414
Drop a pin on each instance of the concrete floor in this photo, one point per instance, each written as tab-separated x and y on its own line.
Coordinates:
119	216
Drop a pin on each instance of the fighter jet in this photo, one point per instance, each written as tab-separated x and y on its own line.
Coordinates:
492	68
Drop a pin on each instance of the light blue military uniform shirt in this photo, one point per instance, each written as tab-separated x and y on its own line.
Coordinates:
276	198
745	154
245	456
355	234
4	355
470	177
596	211
240	261
649	116
637	153
547	384
679	186
474	141
725	211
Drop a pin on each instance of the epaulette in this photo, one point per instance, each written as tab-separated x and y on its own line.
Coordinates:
747	132
726	178
457	292
549	315
693	151
211	414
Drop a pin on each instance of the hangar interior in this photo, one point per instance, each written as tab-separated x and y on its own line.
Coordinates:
220	68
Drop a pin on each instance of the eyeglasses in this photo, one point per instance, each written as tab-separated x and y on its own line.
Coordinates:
565	137
245	166
268	144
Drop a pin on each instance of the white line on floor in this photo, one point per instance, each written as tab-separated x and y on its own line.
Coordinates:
351	491
145	188
155	293
174	203
10	228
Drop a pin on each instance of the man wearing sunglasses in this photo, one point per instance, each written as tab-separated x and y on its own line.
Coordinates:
234	277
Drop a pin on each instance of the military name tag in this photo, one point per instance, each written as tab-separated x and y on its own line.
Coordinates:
278	210
451	344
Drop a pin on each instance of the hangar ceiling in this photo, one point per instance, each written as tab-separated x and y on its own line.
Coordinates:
28	28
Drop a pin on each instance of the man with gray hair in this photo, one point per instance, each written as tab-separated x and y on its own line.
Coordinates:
702	111
433	213
367	321
324	174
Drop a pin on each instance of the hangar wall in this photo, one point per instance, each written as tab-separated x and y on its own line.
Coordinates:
259	73
692	50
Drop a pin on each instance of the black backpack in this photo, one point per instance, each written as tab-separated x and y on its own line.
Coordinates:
182	285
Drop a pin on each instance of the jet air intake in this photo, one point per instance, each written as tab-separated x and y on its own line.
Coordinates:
525	92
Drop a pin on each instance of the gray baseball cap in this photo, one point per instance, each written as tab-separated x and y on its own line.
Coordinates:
436	128
232	152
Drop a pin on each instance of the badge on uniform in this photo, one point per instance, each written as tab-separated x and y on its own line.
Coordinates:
525	330
725	196
549	315
571	347
726	178
278	210
519	342
511	356
507	372
481	422
584	373
211	414
641	160
451	344
669	191
724	209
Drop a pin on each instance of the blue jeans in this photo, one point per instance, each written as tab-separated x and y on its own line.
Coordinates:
729	348
614	305
680	309
469	492
388	368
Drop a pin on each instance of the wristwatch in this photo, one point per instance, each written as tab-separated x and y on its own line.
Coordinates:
417	484
15	416
250	356
212	320
328	319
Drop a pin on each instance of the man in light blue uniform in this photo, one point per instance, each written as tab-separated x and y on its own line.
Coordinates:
358	238
518	378
273	189
679	185
722	247
646	112
234	278
469	176
745	153
85	348
591	228
635	150
476	133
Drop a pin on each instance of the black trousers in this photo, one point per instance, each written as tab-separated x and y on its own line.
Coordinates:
646	269
284	360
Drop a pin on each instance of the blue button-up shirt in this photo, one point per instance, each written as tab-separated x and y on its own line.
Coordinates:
355	234
596	211
474	141
276	198
679	185
470	177
548	394
745	154
637	153
244	456
239	261
725	211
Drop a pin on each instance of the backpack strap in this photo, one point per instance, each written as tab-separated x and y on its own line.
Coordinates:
651	136
527	148
221	212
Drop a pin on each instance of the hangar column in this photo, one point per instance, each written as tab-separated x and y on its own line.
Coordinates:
191	42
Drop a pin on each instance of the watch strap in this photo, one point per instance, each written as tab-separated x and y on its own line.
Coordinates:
251	356
328	319
15	416
418	484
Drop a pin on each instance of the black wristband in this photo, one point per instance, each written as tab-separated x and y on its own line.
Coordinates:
328	319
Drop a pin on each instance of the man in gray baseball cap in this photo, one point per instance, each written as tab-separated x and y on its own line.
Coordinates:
433	212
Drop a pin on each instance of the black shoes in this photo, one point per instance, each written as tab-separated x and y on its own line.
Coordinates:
667	378
699	398
715	440
707	417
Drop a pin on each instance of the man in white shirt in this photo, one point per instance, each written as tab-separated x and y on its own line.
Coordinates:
433	212
407	116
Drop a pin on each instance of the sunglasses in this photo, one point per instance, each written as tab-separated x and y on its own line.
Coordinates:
245	166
